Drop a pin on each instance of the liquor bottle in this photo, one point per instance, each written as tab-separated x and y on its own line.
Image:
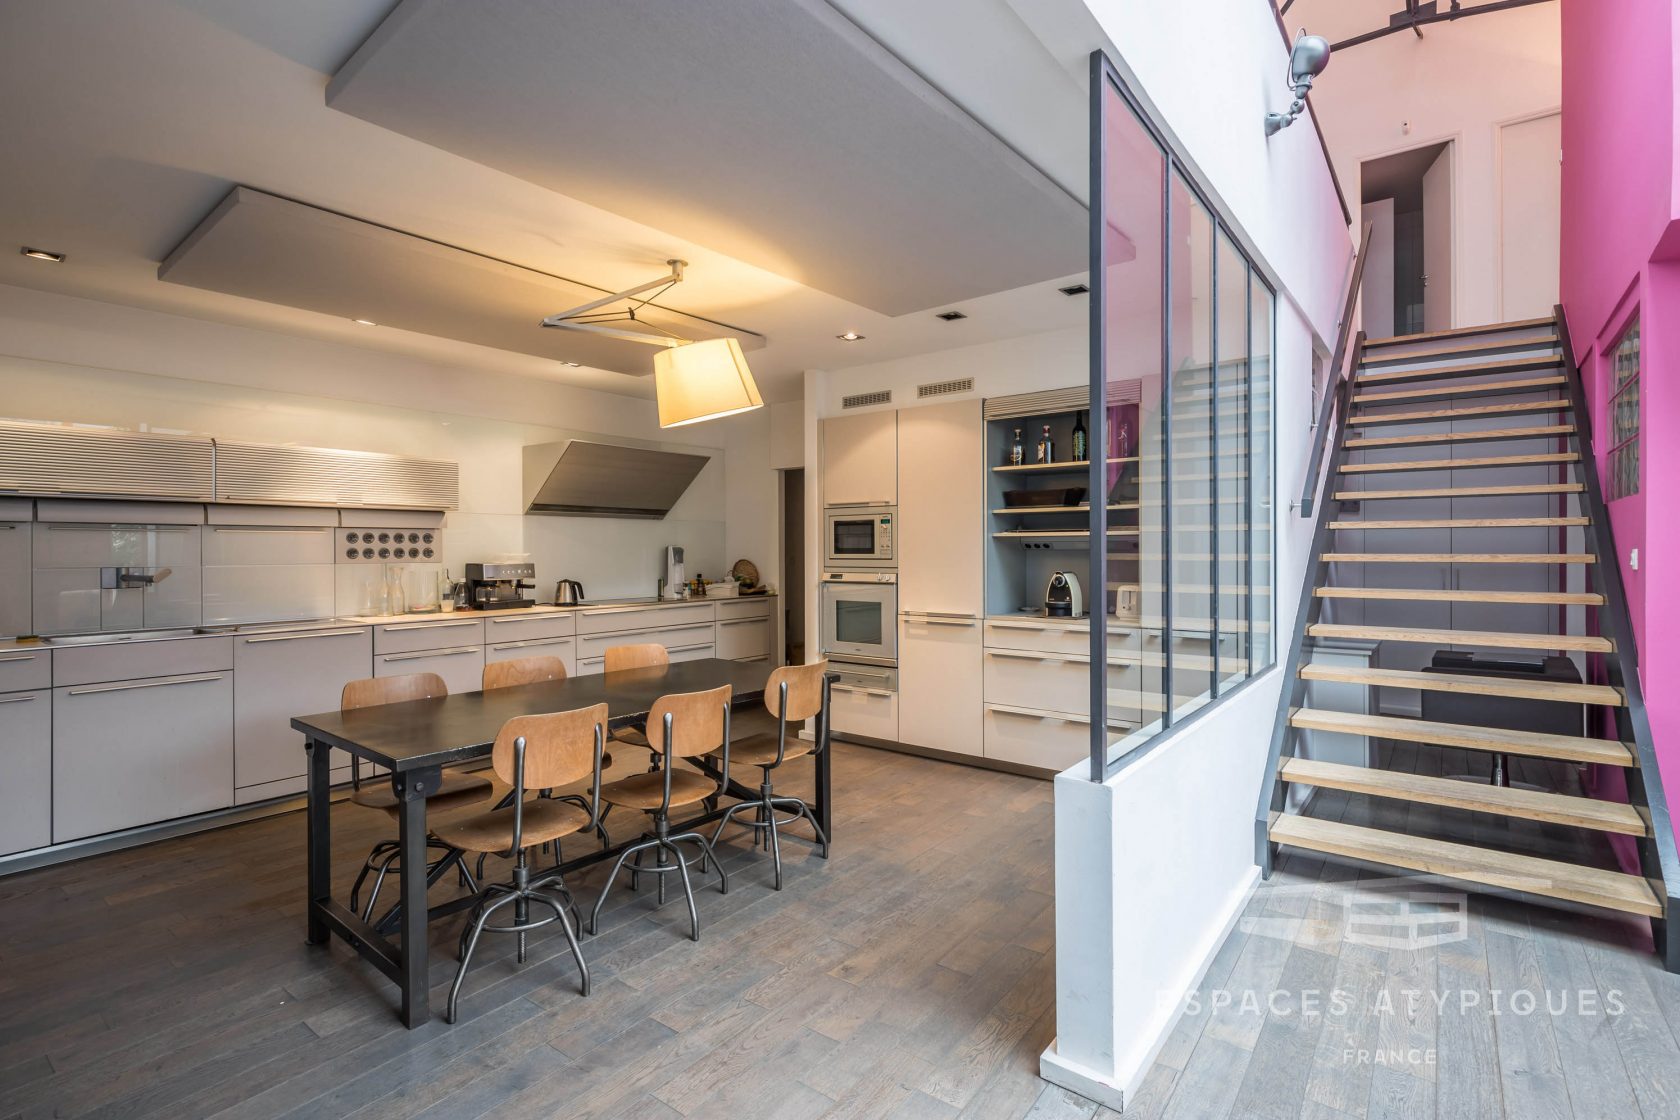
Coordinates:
1017	451
1081	439
1046	450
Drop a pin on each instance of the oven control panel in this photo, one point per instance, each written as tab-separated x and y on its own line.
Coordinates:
389	546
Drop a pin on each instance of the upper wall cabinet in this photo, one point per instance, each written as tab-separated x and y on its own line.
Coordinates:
860	459
319	476
97	462
941	496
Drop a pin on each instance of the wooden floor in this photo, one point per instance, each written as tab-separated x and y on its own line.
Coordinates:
909	976
1519	1011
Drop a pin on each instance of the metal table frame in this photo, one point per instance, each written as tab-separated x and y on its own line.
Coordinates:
415	775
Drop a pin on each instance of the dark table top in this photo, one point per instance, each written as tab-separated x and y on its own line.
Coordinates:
450	729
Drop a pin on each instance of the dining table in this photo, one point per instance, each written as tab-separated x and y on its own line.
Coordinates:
413	741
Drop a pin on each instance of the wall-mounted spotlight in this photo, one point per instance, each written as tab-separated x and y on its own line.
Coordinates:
1307	60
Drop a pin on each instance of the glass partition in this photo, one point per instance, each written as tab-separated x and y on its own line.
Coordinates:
1181	345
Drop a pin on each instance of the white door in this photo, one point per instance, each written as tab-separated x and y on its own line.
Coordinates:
1438	243
1529	207
939	697
860	459
1376	284
941	497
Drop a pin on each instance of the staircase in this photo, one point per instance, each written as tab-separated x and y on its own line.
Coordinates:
1443	443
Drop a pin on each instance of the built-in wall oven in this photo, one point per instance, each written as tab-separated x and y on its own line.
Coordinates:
860	616
859	536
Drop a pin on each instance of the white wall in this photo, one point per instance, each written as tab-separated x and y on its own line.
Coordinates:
68	359
1458	83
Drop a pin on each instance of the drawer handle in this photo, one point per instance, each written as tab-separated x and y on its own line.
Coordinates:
17	699
1017	626
532	643
939	614
304	636
690	626
400	627
17	657
686	649
543	616
861	691
145	684
253	529
964	622
429	653
742	621
120	528
1016	655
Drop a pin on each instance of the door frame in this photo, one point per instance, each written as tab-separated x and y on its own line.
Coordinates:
1455	147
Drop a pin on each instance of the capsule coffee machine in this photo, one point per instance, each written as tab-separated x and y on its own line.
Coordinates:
497	587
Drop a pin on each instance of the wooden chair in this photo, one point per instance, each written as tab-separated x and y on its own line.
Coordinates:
531	753
643	655
535	670
524	670
454	790
794	694
682	725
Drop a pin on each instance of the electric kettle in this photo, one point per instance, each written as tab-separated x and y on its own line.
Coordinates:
568	593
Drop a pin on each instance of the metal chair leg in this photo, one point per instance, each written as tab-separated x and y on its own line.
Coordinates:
805	811
688	891
618	865
660	862
571	937
774	844
466	956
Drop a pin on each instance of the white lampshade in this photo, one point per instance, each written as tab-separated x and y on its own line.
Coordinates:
703	381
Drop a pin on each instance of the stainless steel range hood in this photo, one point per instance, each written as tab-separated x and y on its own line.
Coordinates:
580	478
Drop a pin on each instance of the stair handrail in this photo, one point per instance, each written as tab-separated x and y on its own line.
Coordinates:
1659	861
1329	415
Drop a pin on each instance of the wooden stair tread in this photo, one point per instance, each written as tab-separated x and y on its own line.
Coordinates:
1466	523
1461	332
1425	595
1389	357
1558	404
1484	435
1451	464
1480	388
1550	878
1462	492
1460	557
1529	744
1584	643
1477	797
1467	684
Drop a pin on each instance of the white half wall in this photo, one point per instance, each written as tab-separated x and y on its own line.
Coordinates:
69	359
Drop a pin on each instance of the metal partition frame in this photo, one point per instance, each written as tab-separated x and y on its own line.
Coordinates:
1103	77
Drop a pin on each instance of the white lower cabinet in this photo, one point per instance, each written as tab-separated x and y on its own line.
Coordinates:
1034	738
939	684
864	701
25	770
276	677
1059	682
743	639
136	752
563	647
462	668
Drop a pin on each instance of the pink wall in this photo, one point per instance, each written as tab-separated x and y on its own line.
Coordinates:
1621	254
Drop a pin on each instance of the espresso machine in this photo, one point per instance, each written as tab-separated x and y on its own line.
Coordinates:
496	587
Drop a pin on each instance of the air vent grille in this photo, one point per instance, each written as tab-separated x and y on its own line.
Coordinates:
52	459
258	473
946	388
1059	400
864	400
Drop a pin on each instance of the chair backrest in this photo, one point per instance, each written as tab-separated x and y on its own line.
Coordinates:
391	690
697	721
559	746
524	670
646	655
804	691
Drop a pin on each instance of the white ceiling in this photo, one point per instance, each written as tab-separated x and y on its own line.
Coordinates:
1343	19
129	120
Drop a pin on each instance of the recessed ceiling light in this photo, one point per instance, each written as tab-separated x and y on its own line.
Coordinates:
850	336
951	316
1074	290
365	322
574	365
43	255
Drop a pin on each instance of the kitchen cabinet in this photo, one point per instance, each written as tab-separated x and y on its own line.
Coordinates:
941	508
276	677
15	552
133	752
621	620
563	646
67	596
744	630
860	459
864	702
689	641
461	667
1048	740
25	770
939	683
441	633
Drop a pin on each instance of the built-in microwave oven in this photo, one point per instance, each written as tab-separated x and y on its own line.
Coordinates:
860	616
859	536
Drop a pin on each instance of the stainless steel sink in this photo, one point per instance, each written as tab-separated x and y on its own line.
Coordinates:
117	636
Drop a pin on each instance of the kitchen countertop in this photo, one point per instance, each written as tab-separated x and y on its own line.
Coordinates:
181	633
1039	618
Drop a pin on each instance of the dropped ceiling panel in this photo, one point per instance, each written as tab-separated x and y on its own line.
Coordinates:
775	131
272	249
